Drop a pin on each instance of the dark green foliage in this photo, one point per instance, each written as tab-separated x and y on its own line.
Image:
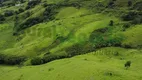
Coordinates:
111	22
137	20
101	39
36	61
74	50
111	4
138	6
129	16
102	30
127	64
130	3
2	18
30	22
49	13
11	60
134	17
2	59
32	3
21	10
8	13
127	46
51	57
79	49
45	5
28	14
126	25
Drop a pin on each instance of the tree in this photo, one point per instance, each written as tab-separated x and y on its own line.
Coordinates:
127	64
129	3
36	61
111	22
2	17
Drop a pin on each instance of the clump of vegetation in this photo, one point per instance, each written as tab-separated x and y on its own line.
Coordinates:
30	22
111	23
134	17
2	18
138	6
21	10
127	64
51	57
130	3
32	3
79	49
111	4
11	60
36	61
49	13
8	13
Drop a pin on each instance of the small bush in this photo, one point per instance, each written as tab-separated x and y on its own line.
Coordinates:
51	57
111	23
2	18
2	59
45	5
21	10
36	61
30	22
8	13
137	20
11	60
111	4
130	3
28	14
127	64
49	13
138	6
127	25
32	3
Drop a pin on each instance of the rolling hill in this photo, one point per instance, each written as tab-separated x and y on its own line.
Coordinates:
70	39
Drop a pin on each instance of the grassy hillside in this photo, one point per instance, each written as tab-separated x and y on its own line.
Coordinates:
100	65
100	35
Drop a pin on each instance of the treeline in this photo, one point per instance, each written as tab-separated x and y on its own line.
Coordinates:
11	60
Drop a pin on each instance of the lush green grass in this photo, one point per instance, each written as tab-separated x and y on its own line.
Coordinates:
96	65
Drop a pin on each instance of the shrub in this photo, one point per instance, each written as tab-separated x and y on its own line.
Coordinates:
49	13
2	59
111	22
129	16
127	64
36	61
30	22
32	3
51	57
111	4
9	13
21	10
102	30
127	25
45	5
129	3
74	50
2	18
28	14
138	6
11	60
137	20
